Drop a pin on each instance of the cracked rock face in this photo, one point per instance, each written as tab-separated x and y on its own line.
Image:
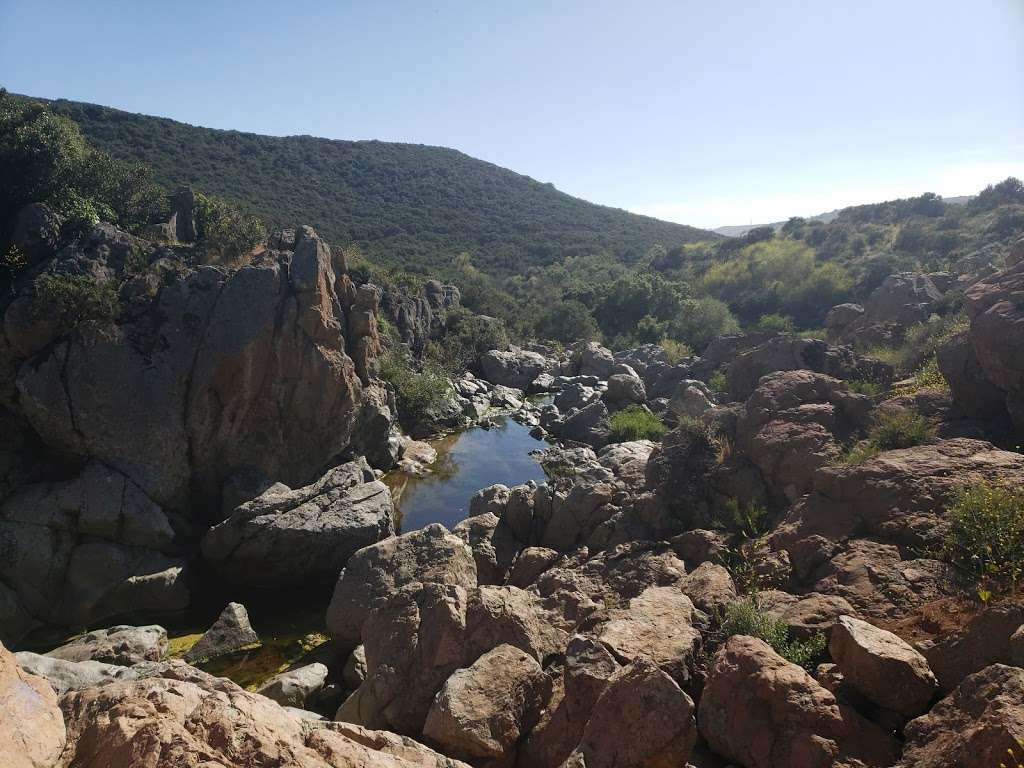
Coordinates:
302	536
222	369
78	551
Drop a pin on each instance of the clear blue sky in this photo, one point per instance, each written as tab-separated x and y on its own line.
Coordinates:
698	111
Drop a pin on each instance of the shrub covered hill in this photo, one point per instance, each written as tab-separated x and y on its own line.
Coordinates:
403	204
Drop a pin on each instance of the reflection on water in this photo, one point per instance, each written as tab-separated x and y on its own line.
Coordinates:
466	462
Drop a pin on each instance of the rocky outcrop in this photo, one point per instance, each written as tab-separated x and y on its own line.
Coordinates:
32	731
979	725
903	300
997	329
761	711
795	423
180	719
513	368
227	369
304	536
791	353
373	574
229	634
419	318
898	496
83	550
64	676
122	645
984	640
594	360
882	667
641	719
482	711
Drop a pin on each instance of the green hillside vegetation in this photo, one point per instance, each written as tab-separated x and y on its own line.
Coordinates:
404	205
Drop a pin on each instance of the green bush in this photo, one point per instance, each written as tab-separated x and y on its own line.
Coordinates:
419	395
635	423
718	383
466	338
863	387
745	617
79	301
893	429
776	323
675	351
986	534
901	428
225	233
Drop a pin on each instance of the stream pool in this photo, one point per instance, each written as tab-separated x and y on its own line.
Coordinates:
466	462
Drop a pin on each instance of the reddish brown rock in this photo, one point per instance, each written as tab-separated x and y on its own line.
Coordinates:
31	725
761	711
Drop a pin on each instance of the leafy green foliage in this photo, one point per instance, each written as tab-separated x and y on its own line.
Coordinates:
224	231
402	204
675	351
863	387
986	534
420	395
745	617
468	336
893	429
79	301
45	159
776	323
751	520
635	422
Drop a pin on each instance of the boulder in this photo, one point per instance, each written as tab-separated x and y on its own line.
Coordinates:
761	711
657	625
297	687
495	547
64	676
903	300
413	642
981	642
642	719
595	360
374	573
628	462
515	368
710	587
354	671
229	634
483	710
791	353
122	645
1017	647
83	550
812	613
980	724
700	546
508	615
624	389
171	720
678	470
882	667
997	328
305	536
587	425
691	400
32	731
584	676
530	564
976	396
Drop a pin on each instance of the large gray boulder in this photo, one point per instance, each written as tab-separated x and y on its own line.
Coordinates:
513	368
429	555
303	536
297	687
79	551
122	645
64	676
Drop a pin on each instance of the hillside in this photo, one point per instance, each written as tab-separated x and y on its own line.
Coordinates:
411	205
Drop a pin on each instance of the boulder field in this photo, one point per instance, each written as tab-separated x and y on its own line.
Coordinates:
736	593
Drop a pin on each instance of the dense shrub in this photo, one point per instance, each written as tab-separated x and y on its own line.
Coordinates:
986	534
675	351
225	232
466	338
420	395
900	428
79	301
45	159
701	321
745	617
635	423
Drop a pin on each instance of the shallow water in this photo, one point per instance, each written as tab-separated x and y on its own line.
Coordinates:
467	461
